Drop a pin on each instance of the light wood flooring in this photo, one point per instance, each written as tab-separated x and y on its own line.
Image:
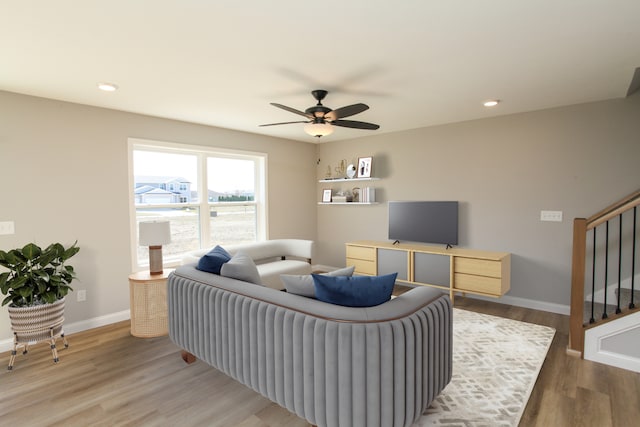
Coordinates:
109	378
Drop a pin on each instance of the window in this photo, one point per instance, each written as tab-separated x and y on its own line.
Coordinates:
210	196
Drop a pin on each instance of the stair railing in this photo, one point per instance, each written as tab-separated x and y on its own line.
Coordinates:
581	226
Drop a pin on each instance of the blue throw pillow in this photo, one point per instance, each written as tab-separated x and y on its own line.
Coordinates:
355	291
213	260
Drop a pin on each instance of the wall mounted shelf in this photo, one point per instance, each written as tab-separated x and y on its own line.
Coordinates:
338	180
348	203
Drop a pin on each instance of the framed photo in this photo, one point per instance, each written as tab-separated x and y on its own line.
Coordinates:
326	195
364	167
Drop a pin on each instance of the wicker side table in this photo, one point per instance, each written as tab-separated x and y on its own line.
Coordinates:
148	301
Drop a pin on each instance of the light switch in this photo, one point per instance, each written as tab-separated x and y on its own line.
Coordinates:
555	216
7	227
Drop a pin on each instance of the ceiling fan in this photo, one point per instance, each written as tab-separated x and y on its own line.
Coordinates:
321	119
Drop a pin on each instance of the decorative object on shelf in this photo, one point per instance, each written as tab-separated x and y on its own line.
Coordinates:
342	197
356	194
155	234
36	284
328	174
364	167
340	169
351	171
326	195
368	195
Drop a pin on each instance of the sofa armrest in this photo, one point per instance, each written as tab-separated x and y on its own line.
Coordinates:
297	248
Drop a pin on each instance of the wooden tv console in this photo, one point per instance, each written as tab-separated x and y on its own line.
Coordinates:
455	270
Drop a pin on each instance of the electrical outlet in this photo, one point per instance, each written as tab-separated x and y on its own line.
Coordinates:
7	227
82	295
555	216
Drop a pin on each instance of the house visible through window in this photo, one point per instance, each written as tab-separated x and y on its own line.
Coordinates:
210	196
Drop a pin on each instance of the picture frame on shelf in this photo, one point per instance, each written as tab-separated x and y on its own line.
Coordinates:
364	167
326	195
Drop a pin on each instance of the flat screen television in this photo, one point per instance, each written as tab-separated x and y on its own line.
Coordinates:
424	222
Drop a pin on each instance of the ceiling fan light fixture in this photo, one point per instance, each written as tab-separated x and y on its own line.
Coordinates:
318	129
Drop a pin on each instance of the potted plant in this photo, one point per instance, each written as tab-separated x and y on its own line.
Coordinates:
35	286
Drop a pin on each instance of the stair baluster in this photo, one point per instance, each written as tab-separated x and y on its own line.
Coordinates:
618	311
593	280
606	268
633	259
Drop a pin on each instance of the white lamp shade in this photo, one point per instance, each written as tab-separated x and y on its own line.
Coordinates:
155	233
318	129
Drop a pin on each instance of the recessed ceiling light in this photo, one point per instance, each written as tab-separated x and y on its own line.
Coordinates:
491	103
107	87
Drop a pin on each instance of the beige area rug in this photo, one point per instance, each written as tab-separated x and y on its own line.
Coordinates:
496	362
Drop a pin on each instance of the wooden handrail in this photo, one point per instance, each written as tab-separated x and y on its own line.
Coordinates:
614	210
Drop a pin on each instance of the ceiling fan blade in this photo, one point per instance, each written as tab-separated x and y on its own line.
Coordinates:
347	111
292	110
285	123
355	124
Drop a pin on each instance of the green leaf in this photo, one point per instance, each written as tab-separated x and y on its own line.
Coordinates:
12	258
70	252
3	281
42	274
46	258
31	251
7	300
19	282
24	292
49	297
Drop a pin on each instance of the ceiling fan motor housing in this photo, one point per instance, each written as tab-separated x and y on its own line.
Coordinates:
317	111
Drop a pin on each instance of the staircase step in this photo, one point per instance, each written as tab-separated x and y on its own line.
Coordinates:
598	307
625	295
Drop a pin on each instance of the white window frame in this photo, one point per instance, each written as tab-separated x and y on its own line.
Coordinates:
202	153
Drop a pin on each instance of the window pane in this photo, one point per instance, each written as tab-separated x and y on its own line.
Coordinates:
232	224
230	179
185	230
162	178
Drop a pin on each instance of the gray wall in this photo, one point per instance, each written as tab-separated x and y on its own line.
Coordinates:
504	171
64	175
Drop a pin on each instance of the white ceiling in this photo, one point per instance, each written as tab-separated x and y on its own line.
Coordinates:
416	63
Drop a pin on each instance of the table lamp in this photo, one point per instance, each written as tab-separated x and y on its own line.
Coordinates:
155	234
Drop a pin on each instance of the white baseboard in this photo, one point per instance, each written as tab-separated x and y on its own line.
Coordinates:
527	303
83	325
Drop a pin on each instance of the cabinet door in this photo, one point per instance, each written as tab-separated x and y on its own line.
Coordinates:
393	261
363	258
433	269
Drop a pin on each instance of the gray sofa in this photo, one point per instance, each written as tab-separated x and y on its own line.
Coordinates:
329	364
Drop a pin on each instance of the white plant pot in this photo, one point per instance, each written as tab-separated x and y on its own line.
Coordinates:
32	324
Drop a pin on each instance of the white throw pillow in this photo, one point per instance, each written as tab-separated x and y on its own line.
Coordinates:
303	284
241	267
